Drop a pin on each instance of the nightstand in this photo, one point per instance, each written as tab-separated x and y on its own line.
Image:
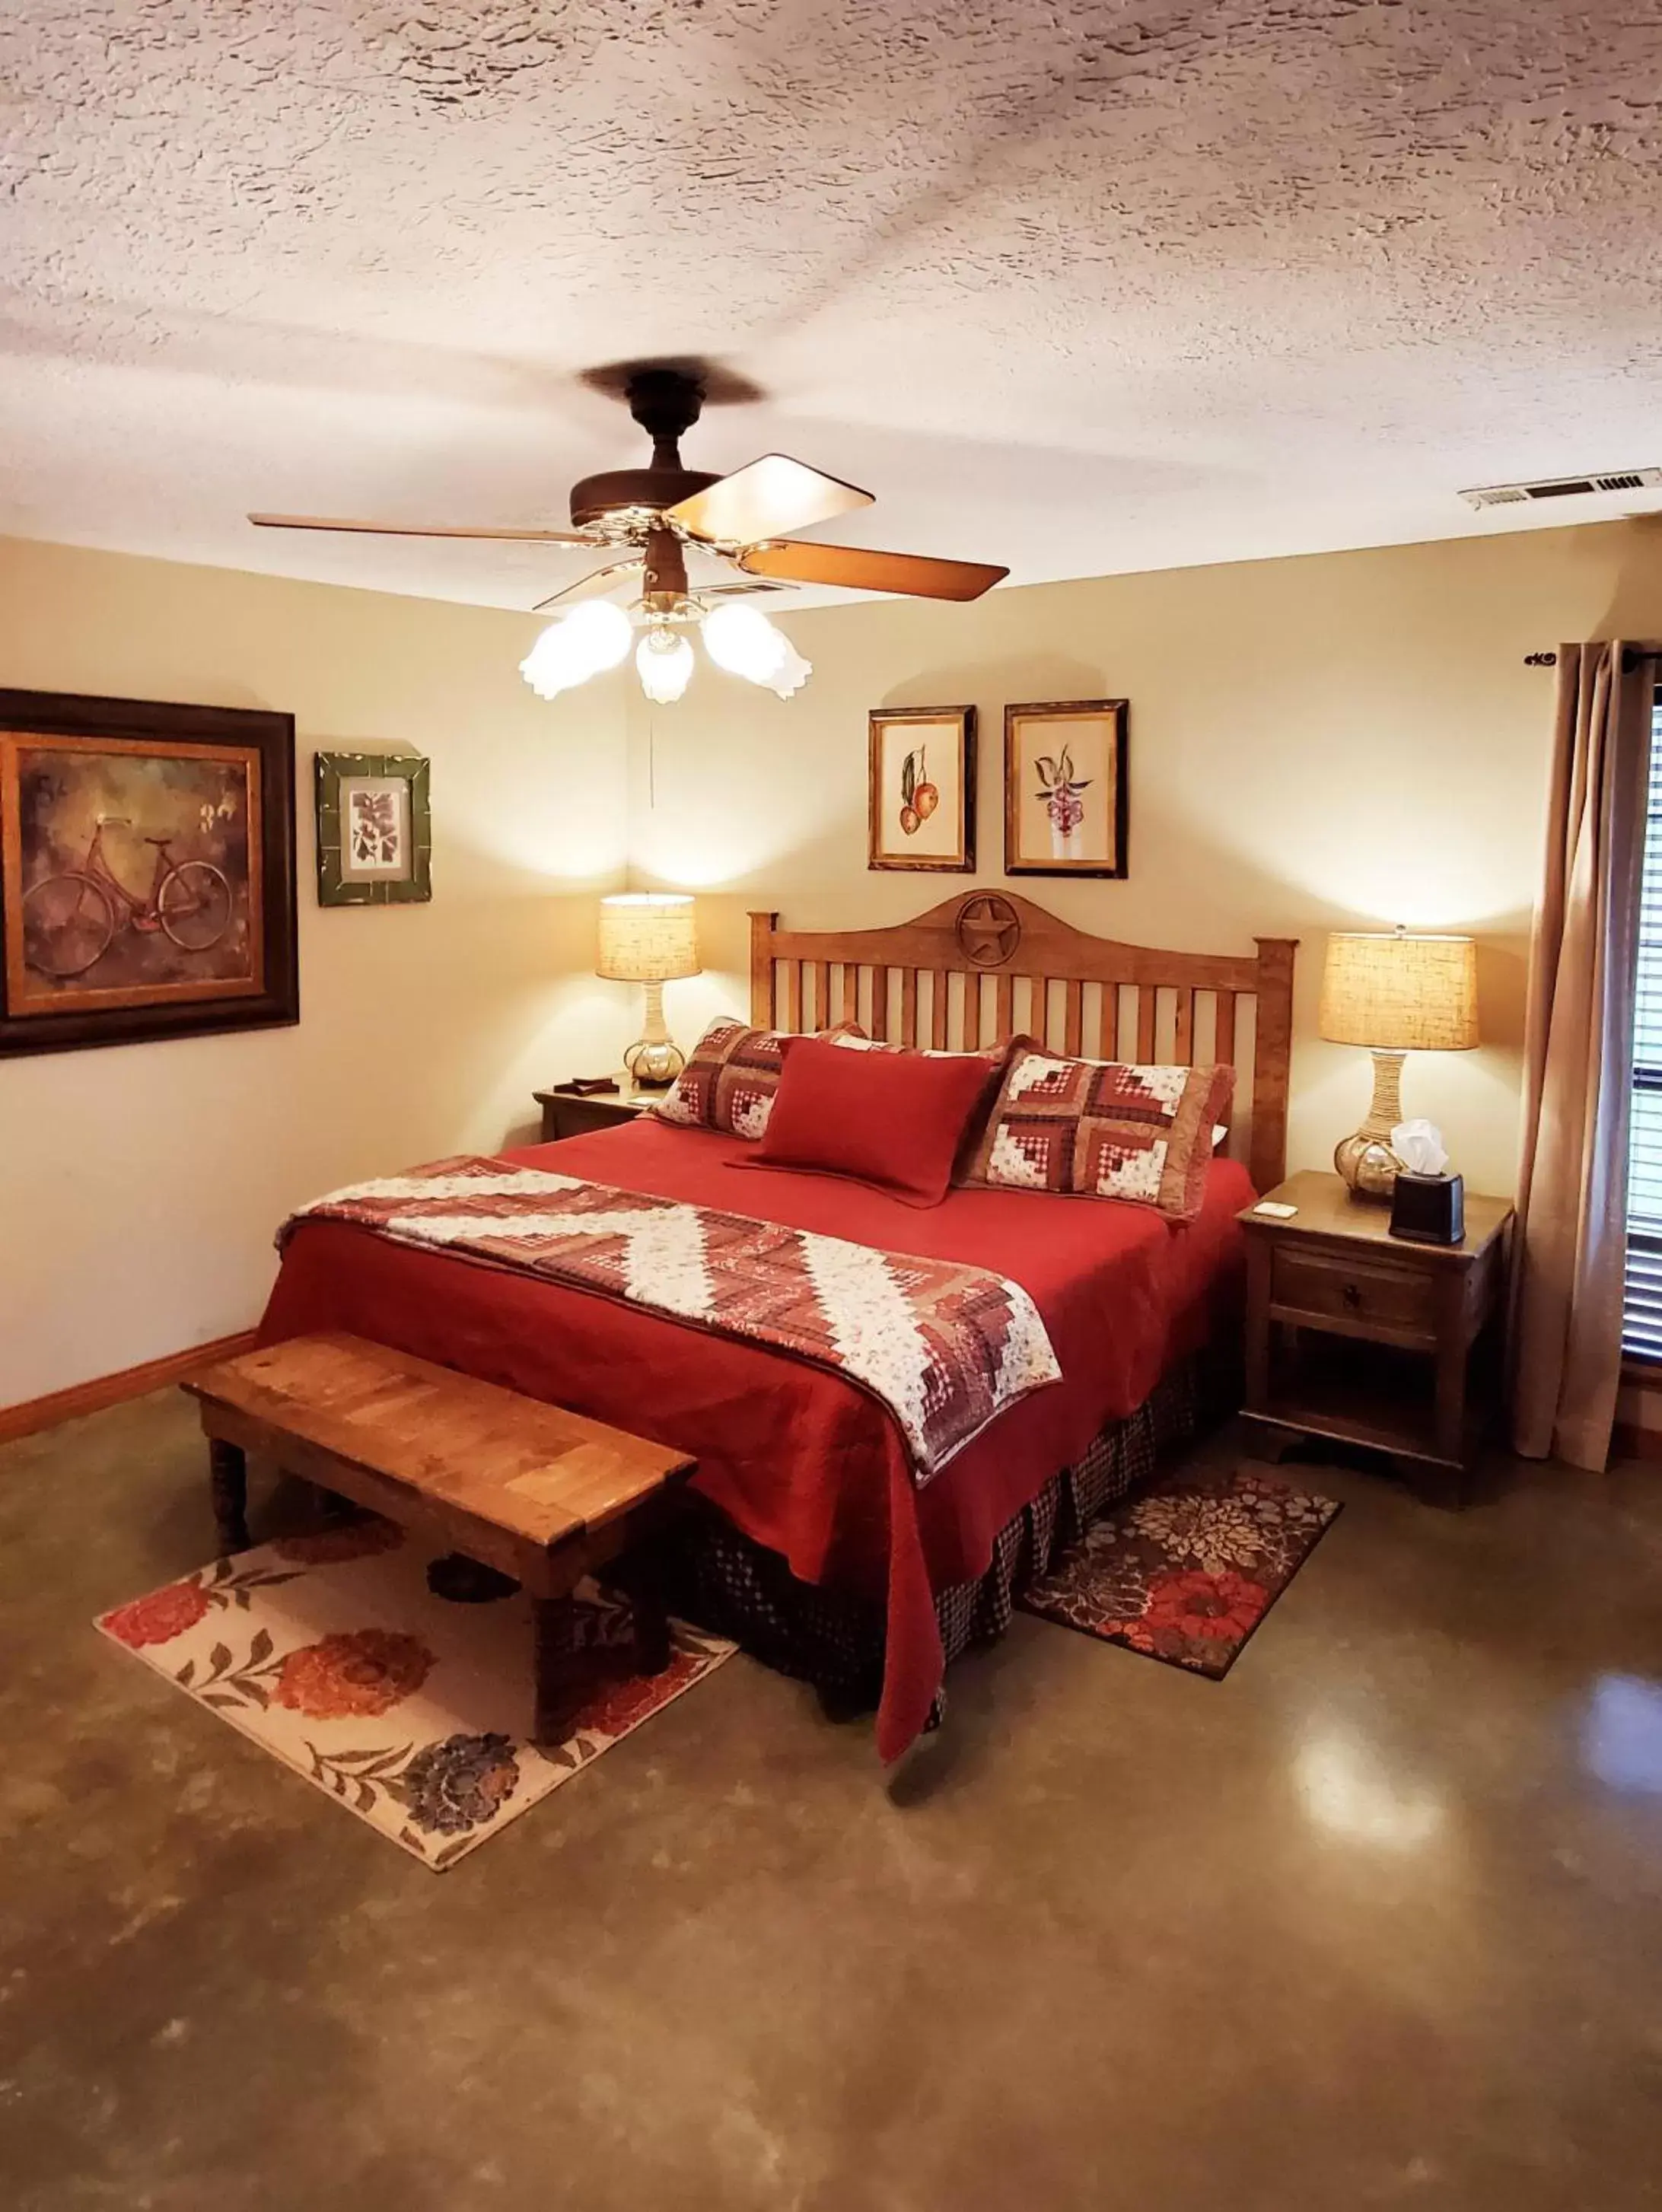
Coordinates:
567	1115
1355	1335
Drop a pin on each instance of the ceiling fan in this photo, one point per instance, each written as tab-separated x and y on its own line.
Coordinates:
656	512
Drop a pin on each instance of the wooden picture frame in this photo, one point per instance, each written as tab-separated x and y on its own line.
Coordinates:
937	837
374	820
147	870
1059	819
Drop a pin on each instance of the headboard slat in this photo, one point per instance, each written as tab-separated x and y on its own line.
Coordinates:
1182	1043
1072	1017
1001	935
1148	1008
880	1004
1223	1040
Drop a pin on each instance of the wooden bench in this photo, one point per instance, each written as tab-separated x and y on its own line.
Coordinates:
538	1493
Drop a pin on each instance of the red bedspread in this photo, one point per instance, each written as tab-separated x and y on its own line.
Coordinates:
802	1460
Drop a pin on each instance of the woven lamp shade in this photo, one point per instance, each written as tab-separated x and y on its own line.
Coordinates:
1400	993
647	937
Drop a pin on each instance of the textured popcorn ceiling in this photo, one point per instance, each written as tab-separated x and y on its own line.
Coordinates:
1081	287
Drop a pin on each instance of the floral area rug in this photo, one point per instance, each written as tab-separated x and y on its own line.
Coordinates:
349	1655
1186	1571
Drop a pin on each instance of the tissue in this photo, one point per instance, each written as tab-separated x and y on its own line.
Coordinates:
1419	1146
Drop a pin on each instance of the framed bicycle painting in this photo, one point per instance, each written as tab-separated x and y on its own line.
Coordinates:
147	870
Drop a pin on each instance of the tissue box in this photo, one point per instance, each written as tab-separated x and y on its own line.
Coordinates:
1428	1209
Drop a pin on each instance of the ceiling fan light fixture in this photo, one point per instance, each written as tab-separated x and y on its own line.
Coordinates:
656	513
591	637
664	663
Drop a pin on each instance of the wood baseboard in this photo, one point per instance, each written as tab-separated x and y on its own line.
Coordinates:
36	1414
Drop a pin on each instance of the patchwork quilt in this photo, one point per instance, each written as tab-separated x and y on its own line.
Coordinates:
946	1347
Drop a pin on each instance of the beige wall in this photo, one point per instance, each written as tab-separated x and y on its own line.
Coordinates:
1349	740
140	1185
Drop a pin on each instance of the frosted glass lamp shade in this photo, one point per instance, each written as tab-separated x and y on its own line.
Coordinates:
1400	993
647	937
746	644
576	647
664	665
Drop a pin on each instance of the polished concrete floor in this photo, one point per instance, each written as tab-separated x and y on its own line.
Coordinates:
1375	1921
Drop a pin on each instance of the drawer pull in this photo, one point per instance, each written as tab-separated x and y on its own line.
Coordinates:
1353	1297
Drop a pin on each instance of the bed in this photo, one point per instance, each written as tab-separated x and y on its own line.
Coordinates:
816	1546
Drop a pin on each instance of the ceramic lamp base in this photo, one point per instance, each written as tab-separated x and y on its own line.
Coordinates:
1364	1159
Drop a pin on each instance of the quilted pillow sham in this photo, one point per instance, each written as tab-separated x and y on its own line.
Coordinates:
1097	1128
730	1078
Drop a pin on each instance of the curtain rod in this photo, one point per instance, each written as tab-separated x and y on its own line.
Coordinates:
1634	657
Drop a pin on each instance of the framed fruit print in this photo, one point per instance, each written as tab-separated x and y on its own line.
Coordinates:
921	789
1066	796
147	870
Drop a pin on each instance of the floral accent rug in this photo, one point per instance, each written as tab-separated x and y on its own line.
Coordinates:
1185	1572
340	1653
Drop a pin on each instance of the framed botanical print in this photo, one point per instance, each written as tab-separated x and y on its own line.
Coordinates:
1066	796
374	829
921	789
147	870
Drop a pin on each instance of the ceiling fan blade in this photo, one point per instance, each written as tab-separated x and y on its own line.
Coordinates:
728	591
917	575
764	498
598	579
421	530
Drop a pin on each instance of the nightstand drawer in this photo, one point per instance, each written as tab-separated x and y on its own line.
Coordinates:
1363	1294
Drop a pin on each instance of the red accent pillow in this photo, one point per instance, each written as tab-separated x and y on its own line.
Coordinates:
894	1120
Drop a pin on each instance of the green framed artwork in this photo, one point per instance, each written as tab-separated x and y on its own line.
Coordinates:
374	829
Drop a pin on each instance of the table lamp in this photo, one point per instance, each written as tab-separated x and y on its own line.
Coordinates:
1397	994
650	937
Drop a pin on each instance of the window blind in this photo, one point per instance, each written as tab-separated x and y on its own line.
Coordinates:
1642	1316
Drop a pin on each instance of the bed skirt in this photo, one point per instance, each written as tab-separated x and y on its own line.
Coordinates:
737	1588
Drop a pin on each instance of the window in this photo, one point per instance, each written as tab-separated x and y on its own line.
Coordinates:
1641	1319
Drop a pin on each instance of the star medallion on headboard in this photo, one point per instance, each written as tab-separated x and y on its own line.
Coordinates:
988	929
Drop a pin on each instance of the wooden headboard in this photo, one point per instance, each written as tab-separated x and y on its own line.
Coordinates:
1024	971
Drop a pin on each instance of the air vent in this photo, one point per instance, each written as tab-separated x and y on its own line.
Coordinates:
1564	487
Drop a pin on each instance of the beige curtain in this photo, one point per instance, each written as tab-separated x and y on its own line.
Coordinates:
1578	1050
